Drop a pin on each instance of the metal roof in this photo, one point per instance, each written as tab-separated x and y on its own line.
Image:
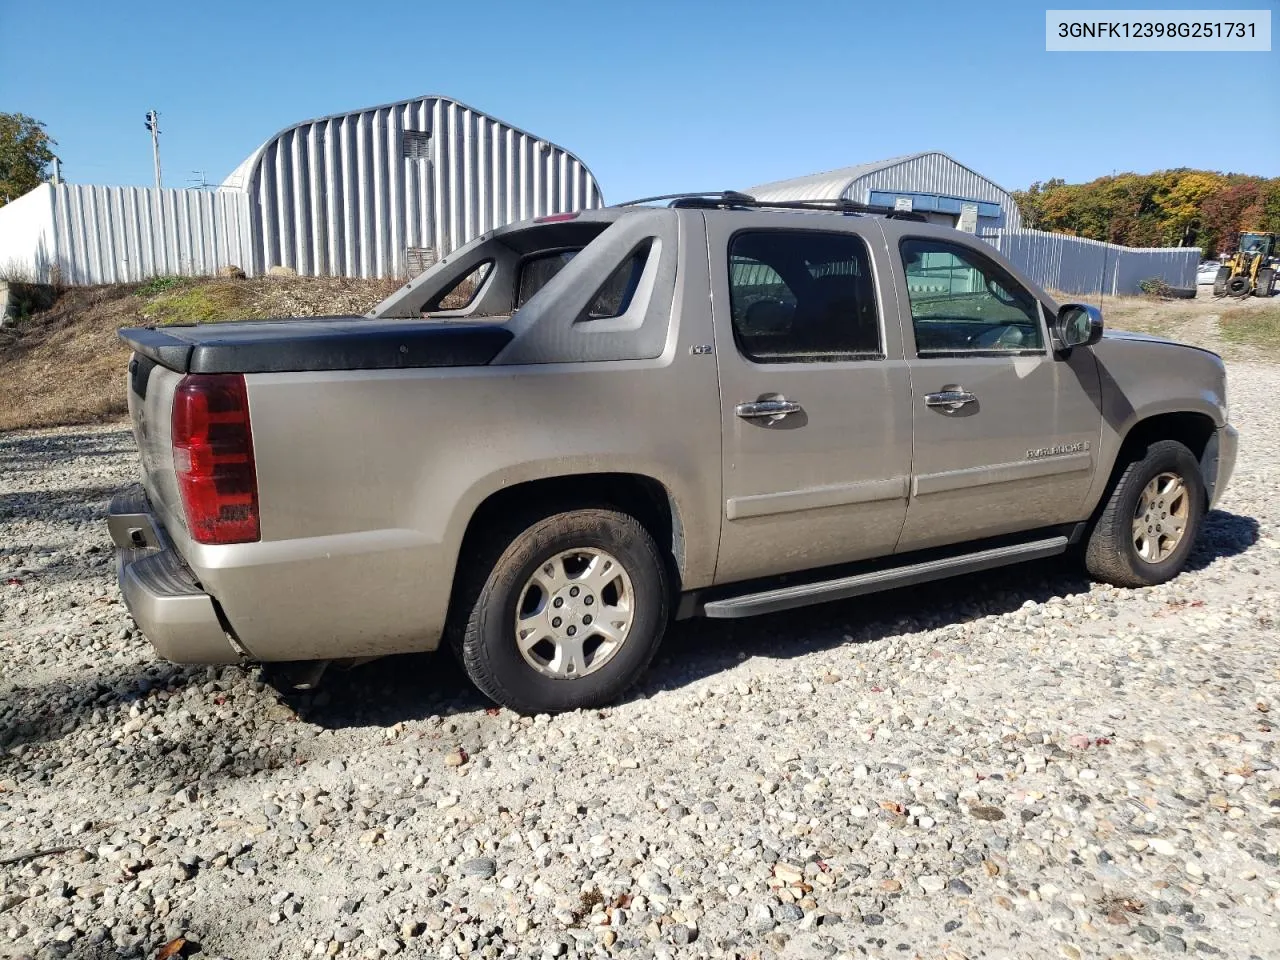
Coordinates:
239	178
838	183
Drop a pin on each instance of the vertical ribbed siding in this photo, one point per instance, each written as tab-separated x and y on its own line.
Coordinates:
937	173
1080	266
338	196
933	172
125	234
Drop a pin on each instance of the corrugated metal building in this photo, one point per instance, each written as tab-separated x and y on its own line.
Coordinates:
372	193
387	190
930	183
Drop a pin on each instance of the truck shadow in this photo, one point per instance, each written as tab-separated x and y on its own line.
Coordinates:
417	686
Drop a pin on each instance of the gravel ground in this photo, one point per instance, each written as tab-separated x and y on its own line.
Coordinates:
1016	764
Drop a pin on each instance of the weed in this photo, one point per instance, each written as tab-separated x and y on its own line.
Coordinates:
208	302
159	285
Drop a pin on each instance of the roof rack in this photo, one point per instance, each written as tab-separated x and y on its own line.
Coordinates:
733	200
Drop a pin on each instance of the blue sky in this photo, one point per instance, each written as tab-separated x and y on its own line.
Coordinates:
654	96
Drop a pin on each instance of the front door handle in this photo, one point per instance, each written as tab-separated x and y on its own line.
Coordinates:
950	399
772	410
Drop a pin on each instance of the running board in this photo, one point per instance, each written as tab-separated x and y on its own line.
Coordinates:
784	598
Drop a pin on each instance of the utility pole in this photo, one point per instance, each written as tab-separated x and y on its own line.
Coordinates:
57	171
153	124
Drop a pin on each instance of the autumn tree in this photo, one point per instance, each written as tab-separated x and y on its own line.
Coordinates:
25	155
1167	208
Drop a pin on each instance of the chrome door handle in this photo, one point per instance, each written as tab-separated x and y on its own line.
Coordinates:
771	410
949	399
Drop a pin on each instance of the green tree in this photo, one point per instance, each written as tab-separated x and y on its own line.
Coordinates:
25	155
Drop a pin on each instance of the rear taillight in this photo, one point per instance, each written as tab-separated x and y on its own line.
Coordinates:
213	457
556	218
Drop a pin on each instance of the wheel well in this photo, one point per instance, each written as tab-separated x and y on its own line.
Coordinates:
1192	430
642	497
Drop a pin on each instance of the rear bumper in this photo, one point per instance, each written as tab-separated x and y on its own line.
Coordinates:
179	618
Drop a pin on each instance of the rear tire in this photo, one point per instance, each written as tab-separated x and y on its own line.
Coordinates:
1150	522
1266	283
503	617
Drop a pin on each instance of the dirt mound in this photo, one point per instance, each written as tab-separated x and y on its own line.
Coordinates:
65	365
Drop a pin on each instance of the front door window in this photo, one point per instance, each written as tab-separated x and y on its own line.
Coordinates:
963	303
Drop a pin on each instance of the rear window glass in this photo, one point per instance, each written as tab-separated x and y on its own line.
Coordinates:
536	273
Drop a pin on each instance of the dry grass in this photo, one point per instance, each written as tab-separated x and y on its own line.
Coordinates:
1257	328
1244	329
66	365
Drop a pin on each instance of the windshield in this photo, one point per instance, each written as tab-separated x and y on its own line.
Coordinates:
1254	242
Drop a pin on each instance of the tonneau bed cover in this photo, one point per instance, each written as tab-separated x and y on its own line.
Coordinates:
322	343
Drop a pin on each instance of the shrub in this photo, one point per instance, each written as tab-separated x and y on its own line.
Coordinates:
1154	287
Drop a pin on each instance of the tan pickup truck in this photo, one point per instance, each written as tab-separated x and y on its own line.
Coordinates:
574	429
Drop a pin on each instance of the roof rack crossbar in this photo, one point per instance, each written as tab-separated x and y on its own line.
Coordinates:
732	199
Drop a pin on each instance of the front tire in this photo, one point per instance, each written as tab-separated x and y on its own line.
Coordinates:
1150	522
569	615
1266	281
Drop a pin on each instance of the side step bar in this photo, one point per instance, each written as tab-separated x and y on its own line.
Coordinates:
784	598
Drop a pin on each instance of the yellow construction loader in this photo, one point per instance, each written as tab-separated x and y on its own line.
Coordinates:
1251	269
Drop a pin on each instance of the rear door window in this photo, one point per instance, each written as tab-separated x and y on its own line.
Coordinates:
803	295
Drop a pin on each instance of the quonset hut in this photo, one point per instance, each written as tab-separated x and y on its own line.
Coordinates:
387	190
933	184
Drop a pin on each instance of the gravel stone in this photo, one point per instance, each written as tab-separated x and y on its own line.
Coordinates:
483	867
766	780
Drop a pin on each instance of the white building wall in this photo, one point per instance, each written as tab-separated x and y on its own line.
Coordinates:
27	250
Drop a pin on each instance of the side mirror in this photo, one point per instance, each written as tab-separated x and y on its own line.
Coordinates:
1078	325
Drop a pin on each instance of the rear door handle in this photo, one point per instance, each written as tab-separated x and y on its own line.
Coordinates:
952	399
771	410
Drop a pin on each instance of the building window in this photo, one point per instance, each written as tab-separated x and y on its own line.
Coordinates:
416	145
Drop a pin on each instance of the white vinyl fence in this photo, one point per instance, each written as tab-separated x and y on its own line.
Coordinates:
119	234
84	235
1076	265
